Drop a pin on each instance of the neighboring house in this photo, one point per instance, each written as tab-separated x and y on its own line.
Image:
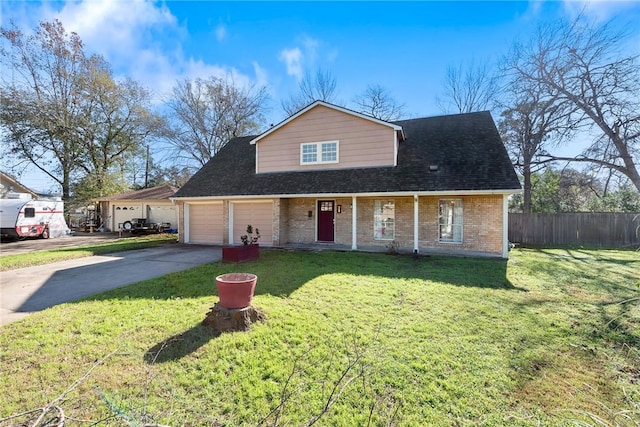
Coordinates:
153	204
333	176
9	184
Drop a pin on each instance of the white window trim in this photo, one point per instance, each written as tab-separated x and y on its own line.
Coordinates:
387	239
451	242
318	146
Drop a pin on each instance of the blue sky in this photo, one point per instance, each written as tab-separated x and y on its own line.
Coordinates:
403	46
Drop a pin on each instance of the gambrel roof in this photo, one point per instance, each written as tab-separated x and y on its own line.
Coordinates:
453	153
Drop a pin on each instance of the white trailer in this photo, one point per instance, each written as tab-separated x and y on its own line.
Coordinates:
22	217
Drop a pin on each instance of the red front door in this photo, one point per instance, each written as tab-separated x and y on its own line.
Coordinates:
325	220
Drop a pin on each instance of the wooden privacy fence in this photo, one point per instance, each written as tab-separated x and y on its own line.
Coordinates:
579	228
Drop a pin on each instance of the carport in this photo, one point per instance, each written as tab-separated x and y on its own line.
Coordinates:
152	204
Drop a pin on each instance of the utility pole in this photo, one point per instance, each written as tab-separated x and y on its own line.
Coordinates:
146	170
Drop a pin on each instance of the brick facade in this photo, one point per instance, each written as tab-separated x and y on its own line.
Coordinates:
482	223
294	221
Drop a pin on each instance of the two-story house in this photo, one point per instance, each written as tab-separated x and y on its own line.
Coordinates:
328	175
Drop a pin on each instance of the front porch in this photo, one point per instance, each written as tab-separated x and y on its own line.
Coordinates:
323	246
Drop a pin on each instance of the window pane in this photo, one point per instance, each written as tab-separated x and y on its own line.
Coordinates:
326	206
329	152
309	153
29	212
450	221
384	220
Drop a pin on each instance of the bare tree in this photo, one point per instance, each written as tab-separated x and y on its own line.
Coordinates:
319	87
584	64
530	127
468	87
206	114
376	101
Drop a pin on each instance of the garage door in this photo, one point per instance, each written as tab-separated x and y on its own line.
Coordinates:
123	213
258	215
206	224
163	214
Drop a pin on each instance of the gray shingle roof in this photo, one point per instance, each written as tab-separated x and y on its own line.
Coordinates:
466	148
155	193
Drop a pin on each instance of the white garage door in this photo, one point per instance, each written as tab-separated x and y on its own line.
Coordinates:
123	213
257	214
163	214
206	224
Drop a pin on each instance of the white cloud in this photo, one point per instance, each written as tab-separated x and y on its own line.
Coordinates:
304	56
110	26
262	78
293	60
221	32
597	10
141	39
310	47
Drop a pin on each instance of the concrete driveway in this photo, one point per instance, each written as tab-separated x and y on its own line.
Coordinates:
25	290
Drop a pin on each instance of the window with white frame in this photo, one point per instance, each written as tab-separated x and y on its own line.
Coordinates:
450	221
384	220
312	153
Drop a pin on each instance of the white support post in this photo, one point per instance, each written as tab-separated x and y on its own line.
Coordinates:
185	223
505	226
230	213
416	224
354	224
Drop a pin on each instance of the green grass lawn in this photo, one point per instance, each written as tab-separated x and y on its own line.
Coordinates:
550	337
9	262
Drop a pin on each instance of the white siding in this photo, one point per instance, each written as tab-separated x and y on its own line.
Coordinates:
163	213
126	212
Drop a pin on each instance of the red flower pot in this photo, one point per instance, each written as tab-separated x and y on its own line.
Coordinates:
236	289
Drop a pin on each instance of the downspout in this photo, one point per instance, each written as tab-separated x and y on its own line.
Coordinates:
415	224
354	224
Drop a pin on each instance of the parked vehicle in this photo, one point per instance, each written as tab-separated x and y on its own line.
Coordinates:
142	225
21	216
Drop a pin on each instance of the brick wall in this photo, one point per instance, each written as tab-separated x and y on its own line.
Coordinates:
343	222
300	227
481	227
280	218
482	223
403	222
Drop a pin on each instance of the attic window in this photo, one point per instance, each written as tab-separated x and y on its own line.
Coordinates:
314	153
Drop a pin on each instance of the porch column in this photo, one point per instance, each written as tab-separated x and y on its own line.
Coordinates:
186	238
505	226
354	224
276	222
415	223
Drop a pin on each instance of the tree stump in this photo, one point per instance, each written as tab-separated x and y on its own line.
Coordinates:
222	319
